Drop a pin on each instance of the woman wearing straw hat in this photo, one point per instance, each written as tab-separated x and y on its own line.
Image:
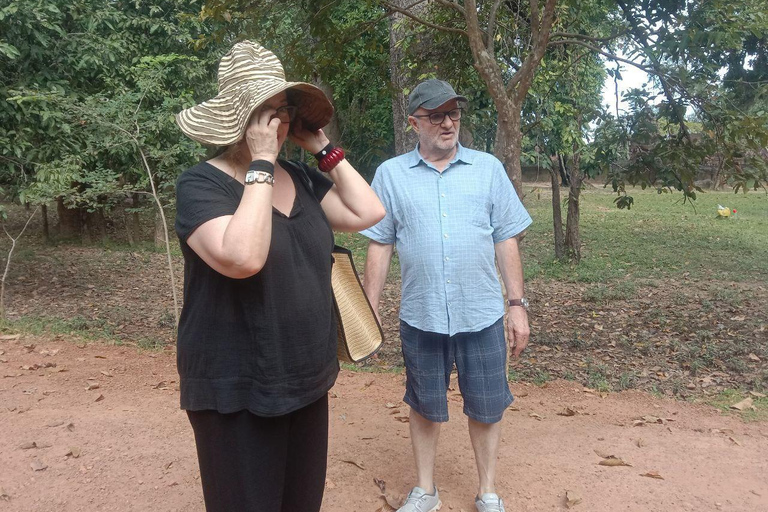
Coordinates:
257	336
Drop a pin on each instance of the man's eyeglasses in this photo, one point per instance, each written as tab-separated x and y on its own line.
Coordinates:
285	114
437	118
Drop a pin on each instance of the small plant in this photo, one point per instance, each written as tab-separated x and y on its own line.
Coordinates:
541	378
627	380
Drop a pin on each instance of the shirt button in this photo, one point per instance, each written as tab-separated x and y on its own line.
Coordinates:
448	281
447	258
445	235
449	303
445	215
442	195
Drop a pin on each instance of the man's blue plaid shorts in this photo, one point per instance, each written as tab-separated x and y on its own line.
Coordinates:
481	362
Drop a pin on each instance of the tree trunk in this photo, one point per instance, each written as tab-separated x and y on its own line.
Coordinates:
159	231
69	220
557	215
46	228
332	130
509	143
133	221
572	235
405	140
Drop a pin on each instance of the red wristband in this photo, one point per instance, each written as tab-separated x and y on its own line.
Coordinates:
331	160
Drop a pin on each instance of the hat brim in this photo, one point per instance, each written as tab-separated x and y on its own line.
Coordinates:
222	120
442	99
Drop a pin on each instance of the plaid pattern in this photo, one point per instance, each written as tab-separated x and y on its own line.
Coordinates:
445	226
480	359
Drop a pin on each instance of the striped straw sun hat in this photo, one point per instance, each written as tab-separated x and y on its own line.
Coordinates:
249	74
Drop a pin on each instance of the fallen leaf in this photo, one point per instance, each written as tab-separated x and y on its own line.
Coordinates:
28	445
571	499
754	357
535	416
159	385
73	452
99	398
4	495
756	394
403	419
71	427
390	405
55	423
734	441
5	337
106	373
744	404
604	455
92	386
100	357
613	462
653	474
568	411
36	465
354	463
640	443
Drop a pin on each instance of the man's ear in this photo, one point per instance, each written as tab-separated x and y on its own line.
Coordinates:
414	123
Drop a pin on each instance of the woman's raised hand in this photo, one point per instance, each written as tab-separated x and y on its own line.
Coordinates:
261	135
313	142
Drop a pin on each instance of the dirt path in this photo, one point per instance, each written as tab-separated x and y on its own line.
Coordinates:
124	445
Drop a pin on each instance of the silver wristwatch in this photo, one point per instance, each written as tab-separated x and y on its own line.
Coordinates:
252	177
523	302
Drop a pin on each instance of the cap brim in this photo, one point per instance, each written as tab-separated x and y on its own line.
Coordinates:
221	121
440	100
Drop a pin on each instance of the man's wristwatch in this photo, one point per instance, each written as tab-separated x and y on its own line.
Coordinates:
523	302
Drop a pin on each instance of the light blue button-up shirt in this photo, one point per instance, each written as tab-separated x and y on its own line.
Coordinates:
444	227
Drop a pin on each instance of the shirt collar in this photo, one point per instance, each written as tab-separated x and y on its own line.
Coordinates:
462	154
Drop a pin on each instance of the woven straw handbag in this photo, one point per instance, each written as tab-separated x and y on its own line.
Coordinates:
359	333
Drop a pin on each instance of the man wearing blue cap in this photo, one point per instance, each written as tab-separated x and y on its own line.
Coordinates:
453	215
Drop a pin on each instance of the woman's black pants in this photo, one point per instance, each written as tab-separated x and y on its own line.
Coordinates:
250	463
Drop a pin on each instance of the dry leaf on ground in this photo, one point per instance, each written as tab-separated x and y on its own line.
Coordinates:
38	466
744	404
653	474
613	462
571	499
354	463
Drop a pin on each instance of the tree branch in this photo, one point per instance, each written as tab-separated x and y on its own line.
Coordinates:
422	21
491	31
588	38
452	5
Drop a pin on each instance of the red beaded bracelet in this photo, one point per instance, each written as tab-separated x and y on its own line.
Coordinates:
331	160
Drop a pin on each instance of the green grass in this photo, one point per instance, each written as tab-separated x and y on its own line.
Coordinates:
358	244
81	328
86	329
659	237
729	397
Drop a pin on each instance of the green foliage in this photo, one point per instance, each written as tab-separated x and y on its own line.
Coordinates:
89	85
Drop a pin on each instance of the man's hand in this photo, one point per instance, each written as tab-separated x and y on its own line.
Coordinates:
518	331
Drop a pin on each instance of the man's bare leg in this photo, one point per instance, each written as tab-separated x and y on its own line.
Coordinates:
485	442
424	437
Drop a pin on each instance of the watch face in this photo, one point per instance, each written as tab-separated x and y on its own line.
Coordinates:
524	302
250	176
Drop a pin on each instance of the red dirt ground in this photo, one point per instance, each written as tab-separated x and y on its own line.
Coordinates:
124	445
